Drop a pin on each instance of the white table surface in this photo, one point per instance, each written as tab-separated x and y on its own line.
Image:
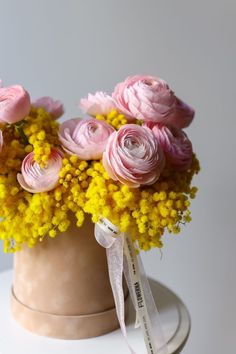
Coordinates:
16	340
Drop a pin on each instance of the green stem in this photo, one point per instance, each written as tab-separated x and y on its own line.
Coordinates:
20	130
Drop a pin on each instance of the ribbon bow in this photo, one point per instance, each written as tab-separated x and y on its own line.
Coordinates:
122	258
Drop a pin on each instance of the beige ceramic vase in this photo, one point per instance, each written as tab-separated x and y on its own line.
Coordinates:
61	287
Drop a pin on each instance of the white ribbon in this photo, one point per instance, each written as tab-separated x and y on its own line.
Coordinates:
122	257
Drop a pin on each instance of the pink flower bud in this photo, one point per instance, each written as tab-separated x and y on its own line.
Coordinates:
100	103
133	156
35	179
55	108
150	99
14	104
86	138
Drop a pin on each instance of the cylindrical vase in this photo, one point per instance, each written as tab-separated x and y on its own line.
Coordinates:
61	287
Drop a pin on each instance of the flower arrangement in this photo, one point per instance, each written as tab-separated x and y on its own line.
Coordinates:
129	161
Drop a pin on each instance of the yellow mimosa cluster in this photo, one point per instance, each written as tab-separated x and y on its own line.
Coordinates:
84	187
143	212
41	130
115	119
13	151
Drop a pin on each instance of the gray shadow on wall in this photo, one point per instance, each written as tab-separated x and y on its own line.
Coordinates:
6	260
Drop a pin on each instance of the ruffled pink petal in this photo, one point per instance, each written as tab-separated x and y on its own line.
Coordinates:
133	156
149	98
182	115
99	103
35	179
54	107
14	104
86	138
175	144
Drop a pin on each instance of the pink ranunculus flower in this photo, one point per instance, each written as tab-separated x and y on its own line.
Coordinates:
133	156
14	104
35	179
176	145
86	138
150	99
54	107
99	103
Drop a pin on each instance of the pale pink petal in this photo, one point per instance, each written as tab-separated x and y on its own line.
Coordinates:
54	107
14	104
149	98
86	138
133	156
175	144
35	179
99	103
182	115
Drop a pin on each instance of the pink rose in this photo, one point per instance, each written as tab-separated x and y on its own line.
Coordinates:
100	103
175	144
14	104
133	156
150	99
55	108
35	179
86	138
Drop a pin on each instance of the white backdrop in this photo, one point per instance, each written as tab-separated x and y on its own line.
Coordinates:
66	48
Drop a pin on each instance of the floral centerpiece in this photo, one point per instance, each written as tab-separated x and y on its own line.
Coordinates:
128	164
